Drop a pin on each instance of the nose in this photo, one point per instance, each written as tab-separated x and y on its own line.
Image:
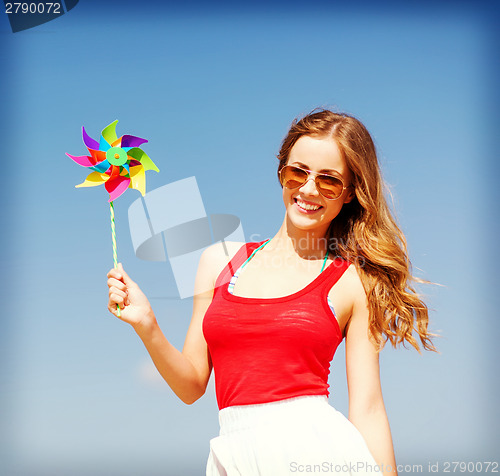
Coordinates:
309	187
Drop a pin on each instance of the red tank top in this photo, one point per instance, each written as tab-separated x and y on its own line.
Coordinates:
269	349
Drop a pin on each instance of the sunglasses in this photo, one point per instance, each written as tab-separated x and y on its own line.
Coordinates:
329	186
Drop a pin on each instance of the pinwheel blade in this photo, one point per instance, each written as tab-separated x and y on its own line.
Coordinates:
143	158
132	141
116	186
138	179
104	145
101	166
109	132
88	141
125	170
93	180
82	160
98	156
117	142
115	171
119	171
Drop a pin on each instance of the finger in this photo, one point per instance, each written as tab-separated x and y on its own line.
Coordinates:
112	282
118	292
115	299
126	277
114	273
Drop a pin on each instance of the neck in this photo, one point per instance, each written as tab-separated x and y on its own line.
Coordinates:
307	244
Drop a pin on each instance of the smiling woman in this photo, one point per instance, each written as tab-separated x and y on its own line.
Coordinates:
364	231
277	310
320	199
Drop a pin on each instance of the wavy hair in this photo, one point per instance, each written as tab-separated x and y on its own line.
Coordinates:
366	233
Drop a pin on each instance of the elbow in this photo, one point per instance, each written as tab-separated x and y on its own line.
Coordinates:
193	396
366	408
367	414
190	402
191	399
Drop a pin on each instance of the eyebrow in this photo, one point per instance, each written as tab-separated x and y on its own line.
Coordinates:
322	171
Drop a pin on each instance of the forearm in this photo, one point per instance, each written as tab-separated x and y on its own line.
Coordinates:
374	427
175	368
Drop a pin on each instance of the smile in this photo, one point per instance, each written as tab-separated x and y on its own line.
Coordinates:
307	207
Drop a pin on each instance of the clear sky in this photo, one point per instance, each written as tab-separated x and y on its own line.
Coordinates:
214	89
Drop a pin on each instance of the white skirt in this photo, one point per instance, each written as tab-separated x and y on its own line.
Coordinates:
293	436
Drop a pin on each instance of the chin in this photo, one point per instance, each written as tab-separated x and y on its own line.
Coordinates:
305	223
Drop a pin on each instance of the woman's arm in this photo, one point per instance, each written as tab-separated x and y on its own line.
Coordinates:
366	405
187	372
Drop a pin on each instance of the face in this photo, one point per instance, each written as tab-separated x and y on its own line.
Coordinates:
306	207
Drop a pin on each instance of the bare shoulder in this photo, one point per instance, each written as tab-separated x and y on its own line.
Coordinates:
215	257
221	253
348	296
352	285
357	326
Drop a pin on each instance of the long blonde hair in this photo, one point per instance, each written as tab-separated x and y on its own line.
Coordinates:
366	233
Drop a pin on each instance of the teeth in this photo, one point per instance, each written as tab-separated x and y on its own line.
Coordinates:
307	206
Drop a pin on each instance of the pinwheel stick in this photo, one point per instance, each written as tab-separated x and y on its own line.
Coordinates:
113	238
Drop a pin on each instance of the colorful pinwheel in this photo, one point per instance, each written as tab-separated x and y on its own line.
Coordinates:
118	162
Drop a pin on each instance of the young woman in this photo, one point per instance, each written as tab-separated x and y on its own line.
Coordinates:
268	316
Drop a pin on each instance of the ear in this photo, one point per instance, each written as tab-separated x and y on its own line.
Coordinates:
350	194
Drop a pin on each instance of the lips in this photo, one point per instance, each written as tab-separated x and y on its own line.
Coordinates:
307	207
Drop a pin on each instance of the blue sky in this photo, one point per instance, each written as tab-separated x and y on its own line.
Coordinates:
214	91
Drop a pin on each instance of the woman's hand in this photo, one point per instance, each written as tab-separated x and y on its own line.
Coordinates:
135	308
